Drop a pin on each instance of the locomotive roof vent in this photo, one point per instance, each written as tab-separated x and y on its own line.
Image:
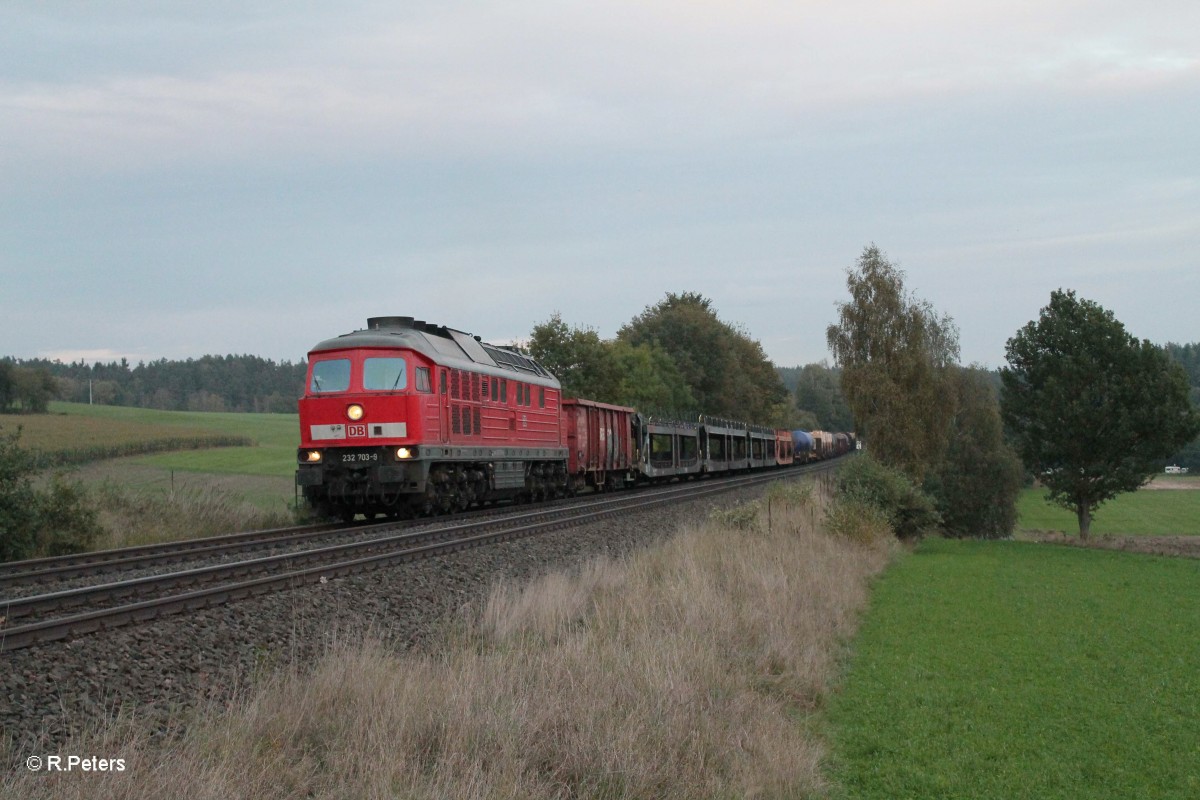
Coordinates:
380	323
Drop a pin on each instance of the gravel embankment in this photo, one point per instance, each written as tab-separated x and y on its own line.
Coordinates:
159	669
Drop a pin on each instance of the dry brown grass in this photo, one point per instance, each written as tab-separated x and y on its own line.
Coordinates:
135	516
686	670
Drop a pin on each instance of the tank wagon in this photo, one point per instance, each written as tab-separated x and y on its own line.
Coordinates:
803	447
410	417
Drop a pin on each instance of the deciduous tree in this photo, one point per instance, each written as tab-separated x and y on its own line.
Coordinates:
819	392
726	371
649	380
977	482
576	356
1090	409
894	351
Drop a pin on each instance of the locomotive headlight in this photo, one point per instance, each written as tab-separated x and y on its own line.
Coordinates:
355	412
406	452
313	456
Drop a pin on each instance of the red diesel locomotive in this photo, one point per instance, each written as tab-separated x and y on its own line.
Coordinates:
409	416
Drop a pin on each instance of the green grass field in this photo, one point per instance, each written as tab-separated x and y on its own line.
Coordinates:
262	474
1160	512
276	437
1015	669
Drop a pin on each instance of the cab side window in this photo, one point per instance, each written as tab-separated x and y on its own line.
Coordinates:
424	384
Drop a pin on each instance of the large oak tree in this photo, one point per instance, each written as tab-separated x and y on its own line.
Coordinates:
1091	410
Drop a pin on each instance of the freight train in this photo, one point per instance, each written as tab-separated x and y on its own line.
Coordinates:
408	417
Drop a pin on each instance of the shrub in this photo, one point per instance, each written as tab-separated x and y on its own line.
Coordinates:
853	518
977	483
742	517
908	510
67	522
55	521
18	501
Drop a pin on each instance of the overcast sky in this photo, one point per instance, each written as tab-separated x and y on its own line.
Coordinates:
186	178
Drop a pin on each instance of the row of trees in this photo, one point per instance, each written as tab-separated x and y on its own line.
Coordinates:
210	383
25	389
1188	357
1090	410
921	412
677	357
819	399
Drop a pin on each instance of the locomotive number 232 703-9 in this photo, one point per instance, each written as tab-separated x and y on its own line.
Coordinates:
359	458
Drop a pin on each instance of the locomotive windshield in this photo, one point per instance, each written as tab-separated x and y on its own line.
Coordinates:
330	376
384	374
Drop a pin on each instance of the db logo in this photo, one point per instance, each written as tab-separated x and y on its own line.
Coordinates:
356	430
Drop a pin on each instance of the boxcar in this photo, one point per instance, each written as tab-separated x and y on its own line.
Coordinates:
822	444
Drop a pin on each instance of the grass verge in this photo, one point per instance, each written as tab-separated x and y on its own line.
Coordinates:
1009	669
681	671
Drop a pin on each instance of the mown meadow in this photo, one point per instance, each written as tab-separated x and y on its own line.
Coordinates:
1018	669
1169	506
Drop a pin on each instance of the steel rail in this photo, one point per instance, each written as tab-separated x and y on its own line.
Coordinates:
13	573
20	607
17	637
19	573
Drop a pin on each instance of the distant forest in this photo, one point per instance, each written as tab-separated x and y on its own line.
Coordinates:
209	383
1189	356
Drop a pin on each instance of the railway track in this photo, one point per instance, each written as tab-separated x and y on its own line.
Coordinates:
101	562
18	573
82	610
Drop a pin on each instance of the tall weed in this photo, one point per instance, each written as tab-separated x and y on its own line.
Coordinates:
145	516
